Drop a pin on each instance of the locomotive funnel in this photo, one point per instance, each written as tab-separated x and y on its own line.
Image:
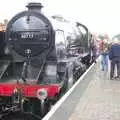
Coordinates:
33	6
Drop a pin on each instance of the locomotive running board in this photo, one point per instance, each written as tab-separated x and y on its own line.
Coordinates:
3	67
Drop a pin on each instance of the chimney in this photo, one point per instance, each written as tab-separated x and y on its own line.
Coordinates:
33	6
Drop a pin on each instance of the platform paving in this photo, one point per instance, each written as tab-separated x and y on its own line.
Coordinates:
101	98
96	97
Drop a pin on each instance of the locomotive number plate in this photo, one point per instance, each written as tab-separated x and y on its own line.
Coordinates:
27	35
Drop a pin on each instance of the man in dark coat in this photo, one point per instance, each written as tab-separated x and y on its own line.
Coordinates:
114	56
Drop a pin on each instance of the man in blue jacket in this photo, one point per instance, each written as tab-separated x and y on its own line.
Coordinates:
114	56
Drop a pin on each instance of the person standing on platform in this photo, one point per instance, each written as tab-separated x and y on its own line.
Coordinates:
114	56
104	56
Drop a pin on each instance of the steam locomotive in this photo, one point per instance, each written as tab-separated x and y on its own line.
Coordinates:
43	57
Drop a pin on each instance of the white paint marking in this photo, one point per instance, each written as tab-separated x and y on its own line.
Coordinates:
58	104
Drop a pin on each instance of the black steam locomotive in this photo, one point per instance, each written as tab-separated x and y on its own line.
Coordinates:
43	57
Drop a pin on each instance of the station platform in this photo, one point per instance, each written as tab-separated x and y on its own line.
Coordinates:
95	97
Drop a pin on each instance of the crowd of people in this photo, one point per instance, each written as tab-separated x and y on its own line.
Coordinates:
110	53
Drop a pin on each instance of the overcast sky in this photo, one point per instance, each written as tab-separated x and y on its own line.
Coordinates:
98	15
